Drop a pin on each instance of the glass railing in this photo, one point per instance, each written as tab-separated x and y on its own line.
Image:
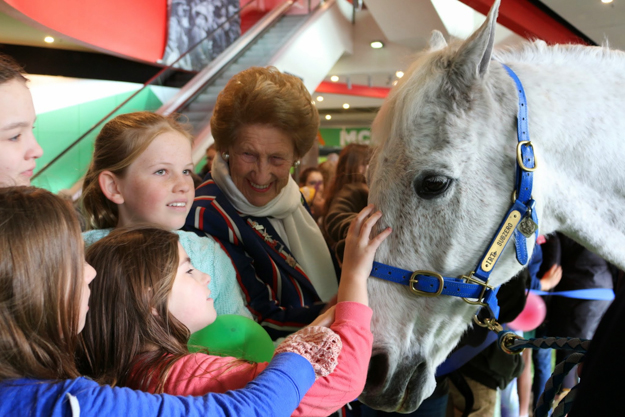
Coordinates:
66	168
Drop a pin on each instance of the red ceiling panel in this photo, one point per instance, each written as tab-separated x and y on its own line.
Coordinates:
134	28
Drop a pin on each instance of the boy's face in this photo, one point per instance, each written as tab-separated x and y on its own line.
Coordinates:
18	147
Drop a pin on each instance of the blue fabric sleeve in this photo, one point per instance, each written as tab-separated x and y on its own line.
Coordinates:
277	391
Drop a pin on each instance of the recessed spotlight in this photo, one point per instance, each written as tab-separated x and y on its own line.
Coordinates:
377	44
319	98
606	1
395	82
334	78
328	116
399	74
48	39
346	106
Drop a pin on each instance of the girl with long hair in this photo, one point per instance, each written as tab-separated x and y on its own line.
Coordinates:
141	172
44	299
149	298
346	196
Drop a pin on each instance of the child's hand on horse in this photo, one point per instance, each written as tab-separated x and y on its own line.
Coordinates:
360	250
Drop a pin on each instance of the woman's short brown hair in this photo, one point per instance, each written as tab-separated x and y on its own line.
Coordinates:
41	278
119	144
265	96
10	69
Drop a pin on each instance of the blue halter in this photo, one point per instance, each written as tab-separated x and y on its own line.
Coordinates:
520	221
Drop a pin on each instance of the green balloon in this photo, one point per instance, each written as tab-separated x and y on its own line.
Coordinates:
233	335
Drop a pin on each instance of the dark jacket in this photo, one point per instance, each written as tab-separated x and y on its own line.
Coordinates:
581	269
278	292
601	383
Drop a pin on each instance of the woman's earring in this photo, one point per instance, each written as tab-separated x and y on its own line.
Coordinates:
225	156
296	163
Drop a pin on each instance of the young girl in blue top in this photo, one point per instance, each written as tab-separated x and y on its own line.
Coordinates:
44	298
141	173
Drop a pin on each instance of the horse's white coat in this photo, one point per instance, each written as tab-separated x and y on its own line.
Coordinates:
454	115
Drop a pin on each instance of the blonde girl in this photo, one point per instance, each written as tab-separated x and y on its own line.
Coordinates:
141	173
149	298
44	299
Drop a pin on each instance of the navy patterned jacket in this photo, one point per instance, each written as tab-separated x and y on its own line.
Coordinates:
278	292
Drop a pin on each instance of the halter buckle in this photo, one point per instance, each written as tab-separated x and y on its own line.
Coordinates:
471	280
490	324
519	157
414	280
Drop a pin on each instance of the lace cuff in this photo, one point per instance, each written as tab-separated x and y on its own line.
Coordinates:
320	345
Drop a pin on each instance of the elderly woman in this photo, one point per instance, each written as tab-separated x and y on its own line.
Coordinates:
263	123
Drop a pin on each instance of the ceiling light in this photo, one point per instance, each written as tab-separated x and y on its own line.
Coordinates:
328	116
606	1
346	106
399	74
395	82
48	39
377	44
334	78
319	98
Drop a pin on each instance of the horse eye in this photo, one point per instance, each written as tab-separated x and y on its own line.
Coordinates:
432	186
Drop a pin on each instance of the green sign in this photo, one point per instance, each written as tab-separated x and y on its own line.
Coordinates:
340	137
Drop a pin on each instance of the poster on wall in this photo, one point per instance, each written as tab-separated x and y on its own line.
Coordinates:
190	22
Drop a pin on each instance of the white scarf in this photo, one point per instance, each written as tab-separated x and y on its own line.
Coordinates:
293	223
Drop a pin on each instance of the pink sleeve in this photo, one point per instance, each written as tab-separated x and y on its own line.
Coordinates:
352	321
198	374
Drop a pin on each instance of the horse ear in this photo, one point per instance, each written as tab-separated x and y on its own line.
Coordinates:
437	41
475	53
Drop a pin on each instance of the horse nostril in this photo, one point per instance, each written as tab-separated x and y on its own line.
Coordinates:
378	370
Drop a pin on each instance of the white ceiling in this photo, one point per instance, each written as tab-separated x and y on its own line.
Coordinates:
598	21
405	27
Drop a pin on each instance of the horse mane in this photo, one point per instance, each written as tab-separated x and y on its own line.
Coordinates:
540	52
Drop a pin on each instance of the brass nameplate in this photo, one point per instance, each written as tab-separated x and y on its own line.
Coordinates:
503	236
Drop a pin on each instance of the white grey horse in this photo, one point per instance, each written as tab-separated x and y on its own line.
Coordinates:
444	171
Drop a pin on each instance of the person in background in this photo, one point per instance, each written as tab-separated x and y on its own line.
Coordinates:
210	156
44	303
263	123
328	170
346	196
545	273
311	187
311	177
570	317
19	149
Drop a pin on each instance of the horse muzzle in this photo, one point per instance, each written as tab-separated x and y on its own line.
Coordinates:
399	387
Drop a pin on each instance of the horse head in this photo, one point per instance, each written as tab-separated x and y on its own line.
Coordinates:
443	176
